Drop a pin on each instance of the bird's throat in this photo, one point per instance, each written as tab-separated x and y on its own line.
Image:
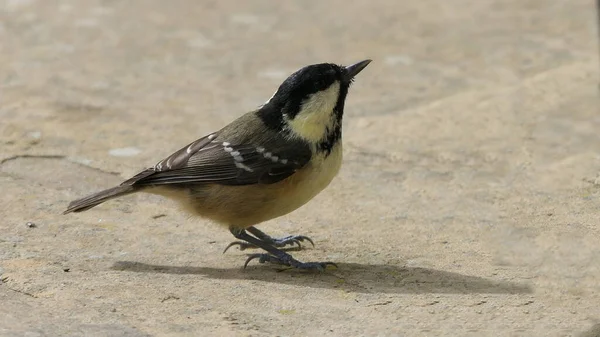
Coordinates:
331	138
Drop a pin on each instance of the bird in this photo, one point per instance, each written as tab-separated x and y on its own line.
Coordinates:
265	164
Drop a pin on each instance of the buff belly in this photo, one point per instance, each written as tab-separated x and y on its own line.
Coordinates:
245	206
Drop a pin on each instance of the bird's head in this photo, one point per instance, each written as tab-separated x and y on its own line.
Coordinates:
310	103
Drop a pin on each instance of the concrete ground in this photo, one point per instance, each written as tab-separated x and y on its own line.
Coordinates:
468	203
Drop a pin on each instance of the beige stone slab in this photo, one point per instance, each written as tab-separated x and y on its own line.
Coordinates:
467	204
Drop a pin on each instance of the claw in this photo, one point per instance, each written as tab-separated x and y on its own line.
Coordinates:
302	238
250	258
297	242
291	240
242	245
262	258
288	261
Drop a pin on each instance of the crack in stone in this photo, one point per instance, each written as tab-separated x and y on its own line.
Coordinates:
21	292
19	156
33	156
113	173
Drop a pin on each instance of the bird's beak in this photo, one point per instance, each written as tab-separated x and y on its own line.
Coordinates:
356	68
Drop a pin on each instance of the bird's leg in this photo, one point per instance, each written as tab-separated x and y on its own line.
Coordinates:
262	236
275	255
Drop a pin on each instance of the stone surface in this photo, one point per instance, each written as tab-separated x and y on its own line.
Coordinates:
468	203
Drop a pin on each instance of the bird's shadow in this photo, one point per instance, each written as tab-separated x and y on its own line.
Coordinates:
363	278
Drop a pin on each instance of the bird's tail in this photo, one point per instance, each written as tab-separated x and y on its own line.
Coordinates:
96	199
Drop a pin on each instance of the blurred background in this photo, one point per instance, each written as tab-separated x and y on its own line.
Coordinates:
467	204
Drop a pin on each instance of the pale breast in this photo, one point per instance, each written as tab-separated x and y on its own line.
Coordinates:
307	183
243	206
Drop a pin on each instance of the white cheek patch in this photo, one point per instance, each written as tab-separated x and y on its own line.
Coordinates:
316	114
320	104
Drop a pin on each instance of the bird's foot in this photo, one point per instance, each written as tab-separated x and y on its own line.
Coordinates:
275	242
273	255
279	243
288	260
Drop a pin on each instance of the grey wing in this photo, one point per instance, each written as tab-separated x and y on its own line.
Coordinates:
176	160
228	163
